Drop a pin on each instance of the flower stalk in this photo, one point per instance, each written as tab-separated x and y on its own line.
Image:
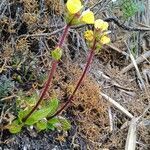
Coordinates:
89	60
51	74
96	38
74	7
75	16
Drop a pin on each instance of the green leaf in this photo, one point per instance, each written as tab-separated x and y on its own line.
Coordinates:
15	127
54	106
42	113
22	114
65	123
59	123
31	100
50	127
41	125
53	123
57	53
26	100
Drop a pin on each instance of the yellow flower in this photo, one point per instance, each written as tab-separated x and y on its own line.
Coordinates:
87	17
105	40
74	6
89	35
100	24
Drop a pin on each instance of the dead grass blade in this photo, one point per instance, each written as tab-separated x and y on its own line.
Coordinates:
136	68
131	137
117	105
117	49
110	119
139	60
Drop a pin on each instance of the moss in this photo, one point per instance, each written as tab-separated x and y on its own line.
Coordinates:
6	86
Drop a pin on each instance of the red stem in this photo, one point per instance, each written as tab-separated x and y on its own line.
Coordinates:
61	41
51	74
89	60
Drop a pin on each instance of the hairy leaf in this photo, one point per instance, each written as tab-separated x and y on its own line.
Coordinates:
41	125
60	123
64	123
53	123
42	113
15	127
22	114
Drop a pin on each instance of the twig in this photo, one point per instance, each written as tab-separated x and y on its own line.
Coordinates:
117	49
136	67
113	82
117	105
139	60
42	34
138	72
9	97
99	2
145	111
110	119
3	66
131	137
116	21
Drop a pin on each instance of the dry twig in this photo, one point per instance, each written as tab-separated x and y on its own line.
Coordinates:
131	137
126	112
124	27
139	60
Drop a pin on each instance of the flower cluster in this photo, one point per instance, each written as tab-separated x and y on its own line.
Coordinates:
75	15
99	34
74	8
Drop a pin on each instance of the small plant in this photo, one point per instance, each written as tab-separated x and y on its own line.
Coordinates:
73	16
38	118
128	7
43	115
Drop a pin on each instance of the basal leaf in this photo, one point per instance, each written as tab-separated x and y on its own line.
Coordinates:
53	123
15	127
41	125
54	103
42	113
31	100
65	124
22	114
59	123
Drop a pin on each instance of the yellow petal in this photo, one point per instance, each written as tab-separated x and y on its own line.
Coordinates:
100	24
89	35
74	6
105	40
87	17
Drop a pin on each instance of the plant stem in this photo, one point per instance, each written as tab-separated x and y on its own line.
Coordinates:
89	60
51	74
